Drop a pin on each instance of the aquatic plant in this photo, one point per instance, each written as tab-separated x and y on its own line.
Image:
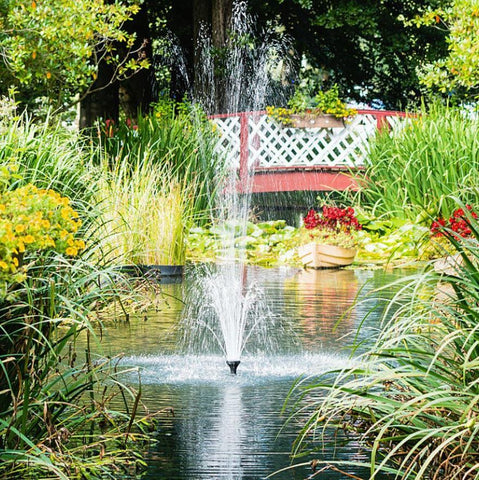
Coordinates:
178	138
412	399
48	156
145	213
413	171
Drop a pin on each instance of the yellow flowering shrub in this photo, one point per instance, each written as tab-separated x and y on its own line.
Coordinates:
33	220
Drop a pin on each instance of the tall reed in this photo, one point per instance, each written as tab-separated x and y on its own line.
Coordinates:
176	137
417	167
146	212
56	419
413	399
48	156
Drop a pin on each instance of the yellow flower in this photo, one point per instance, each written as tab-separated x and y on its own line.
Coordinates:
21	247
20	228
70	242
71	251
80	244
28	239
3	265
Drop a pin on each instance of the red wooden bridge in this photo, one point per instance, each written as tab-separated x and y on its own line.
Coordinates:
273	158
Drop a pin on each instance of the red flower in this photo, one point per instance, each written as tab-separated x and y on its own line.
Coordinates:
459	223
332	218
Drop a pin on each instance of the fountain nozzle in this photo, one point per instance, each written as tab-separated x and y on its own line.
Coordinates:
233	365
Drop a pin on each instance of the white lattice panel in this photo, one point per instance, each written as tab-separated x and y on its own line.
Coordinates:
271	145
229	139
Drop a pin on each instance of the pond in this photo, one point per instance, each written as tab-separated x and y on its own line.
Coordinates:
220	426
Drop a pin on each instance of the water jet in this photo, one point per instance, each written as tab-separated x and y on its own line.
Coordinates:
233	364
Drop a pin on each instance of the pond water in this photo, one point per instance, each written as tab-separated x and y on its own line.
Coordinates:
219	426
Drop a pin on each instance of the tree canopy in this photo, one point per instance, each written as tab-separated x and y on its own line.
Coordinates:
456	73
50	49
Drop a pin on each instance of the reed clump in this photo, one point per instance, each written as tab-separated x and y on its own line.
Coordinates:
415	169
56	419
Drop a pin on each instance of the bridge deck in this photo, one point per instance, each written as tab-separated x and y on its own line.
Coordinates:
284	179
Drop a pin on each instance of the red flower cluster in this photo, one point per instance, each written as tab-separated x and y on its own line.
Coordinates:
458	223
332	218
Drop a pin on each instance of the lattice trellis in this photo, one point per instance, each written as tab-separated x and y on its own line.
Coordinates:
271	145
229	139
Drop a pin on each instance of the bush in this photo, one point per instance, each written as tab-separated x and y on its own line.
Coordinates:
416	168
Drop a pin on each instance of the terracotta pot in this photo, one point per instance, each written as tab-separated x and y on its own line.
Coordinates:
310	120
316	255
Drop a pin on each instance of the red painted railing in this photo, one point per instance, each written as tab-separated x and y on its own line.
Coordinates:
288	171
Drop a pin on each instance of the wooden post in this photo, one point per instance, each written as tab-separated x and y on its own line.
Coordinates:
244	151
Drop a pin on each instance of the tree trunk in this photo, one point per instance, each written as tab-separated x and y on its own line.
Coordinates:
220	21
103	103
137	92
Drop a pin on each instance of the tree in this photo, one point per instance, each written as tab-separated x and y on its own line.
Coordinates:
458	71
51	49
363	46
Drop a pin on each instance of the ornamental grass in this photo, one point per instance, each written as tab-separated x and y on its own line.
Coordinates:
413	398
417	167
146	213
177	138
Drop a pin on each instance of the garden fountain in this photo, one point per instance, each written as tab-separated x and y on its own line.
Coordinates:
235	306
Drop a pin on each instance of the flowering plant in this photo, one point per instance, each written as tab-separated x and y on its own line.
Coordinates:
321	102
33	220
333	226
458	223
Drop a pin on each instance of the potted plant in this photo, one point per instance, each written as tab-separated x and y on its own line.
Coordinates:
322	109
331	238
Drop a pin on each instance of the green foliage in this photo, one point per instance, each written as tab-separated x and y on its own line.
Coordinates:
145	213
364	47
321	102
178	138
274	243
413	170
459	71
413	397
50	49
48	156
55	417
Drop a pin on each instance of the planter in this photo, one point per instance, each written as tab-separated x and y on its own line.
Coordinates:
311	120
130	270
163	273
315	255
157	273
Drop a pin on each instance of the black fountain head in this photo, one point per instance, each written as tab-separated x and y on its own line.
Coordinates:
233	365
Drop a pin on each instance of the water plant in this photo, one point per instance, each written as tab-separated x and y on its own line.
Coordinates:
177	137
412	399
146	212
413	171
56	419
49	156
